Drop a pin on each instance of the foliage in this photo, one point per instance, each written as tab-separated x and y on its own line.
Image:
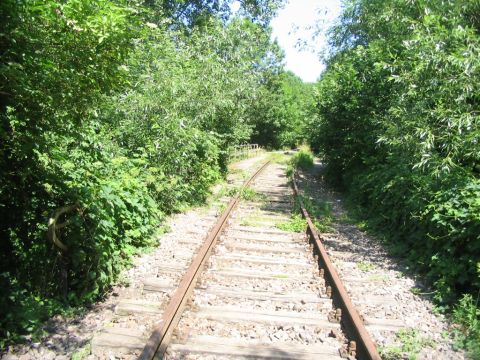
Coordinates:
296	224
53	155
467	314
82	353
365	266
195	12
249	194
398	127
23	311
282	111
302	159
122	112
411	344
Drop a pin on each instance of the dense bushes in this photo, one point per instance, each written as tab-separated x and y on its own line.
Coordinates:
302	159
112	115
281	111
399	129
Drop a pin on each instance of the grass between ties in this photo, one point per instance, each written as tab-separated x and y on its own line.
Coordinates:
410	344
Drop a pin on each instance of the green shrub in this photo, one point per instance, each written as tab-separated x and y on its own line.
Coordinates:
467	314
118	115
397	126
249	194
302	159
296	224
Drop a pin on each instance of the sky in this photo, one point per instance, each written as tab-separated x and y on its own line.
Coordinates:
298	20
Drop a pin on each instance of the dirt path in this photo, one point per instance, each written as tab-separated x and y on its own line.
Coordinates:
379	286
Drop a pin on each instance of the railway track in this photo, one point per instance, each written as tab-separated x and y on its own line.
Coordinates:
249	290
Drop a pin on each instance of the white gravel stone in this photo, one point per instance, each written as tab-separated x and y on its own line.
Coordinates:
369	261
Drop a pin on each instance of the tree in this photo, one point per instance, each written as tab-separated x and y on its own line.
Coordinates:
113	114
398	126
197	12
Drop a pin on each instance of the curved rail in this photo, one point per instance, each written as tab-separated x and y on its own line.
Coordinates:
361	344
158	341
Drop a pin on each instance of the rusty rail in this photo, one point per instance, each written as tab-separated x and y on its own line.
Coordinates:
361	345
158	341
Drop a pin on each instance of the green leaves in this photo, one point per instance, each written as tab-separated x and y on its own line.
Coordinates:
398	126
109	106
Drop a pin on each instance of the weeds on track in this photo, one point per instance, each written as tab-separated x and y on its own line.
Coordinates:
296	224
248	194
409	347
365	266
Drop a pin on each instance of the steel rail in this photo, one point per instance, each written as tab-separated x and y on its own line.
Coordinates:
361	344
160	338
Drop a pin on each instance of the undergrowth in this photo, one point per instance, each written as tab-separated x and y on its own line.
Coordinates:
296	224
279	158
398	129
410	344
302	159
467	314
250	194
320	212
